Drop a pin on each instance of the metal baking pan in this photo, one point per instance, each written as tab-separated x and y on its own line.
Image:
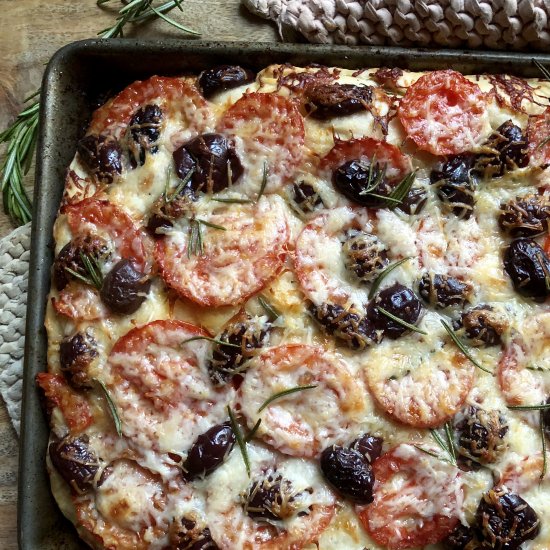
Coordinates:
77	77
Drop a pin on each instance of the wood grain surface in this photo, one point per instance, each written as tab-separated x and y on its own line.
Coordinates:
32	30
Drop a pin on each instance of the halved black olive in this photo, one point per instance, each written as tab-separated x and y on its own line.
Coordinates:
349	326
227	360
224	77
75	356
306	197
102	155
442	291
165	212
525	216
482	325
186	534
455	183
505	520
349	473
214	160
73	459
209	451
369	446
144	130
124	288
325	101
401	302
414	202
364	255
461	538
528	266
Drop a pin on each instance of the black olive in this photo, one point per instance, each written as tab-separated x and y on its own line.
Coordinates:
124	288
186	534
349	326
325	101
481	435
227	360
75	356
355	178
364	255
482	325
455	184
546	419
144	130
70	258
461	538
368	446
209	451
73	459
529	268
505	150
306	197
224	77
414	202
348	472
214	160
102	155
271	499
441	291
526	216
401	302
505	520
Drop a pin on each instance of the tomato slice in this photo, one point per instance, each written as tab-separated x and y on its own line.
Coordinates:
235	262
79	302
178	95
397	164
272	135
521	475
417	499
74	407
100	217
538	132
443	113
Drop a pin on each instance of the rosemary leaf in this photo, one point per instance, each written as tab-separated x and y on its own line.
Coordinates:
272	313
79	276
220	342
400	321
541	407
462	347
253	431
93	269
240	440
264	181
112	407
179	188
233	201
403	188
283	393
439	440
385	198
543	439
431	453
450	441
209	224
383	274
170	21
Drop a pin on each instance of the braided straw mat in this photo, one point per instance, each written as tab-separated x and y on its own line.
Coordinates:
490	24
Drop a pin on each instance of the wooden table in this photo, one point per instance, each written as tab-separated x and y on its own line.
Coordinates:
32	30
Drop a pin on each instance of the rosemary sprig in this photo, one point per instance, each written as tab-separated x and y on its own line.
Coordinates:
213	340
374	179
112	407
400	321
383	274
20	139
448	446
240	439
541	407
283	393
179	188
253	431
462	347
403	188
264	181
137	11
92	271
543	439
272	313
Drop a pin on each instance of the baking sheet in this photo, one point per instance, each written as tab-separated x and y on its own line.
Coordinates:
77	79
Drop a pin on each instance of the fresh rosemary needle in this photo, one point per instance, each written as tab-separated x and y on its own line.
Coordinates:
383	274
400	321
240	439
112	407
213	340
283	393
272	313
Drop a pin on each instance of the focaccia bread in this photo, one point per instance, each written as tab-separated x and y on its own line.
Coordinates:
296	309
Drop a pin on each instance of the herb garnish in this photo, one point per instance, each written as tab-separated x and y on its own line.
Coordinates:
92	271
240	440
137	11
462	347
402	190
378	281
447	446
179	188
195	244
283	393
272	313
220	342
400	321
253	431
112	407
431	453
543	439
233	201
20	139
264	181
541	407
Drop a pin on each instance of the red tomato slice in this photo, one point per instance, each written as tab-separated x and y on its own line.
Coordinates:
443	113
538	132
272	132
398	165
74	407
178	95
80	302
520	476
100	217
235	263
417	499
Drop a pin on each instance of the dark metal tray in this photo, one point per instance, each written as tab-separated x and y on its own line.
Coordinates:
76	78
